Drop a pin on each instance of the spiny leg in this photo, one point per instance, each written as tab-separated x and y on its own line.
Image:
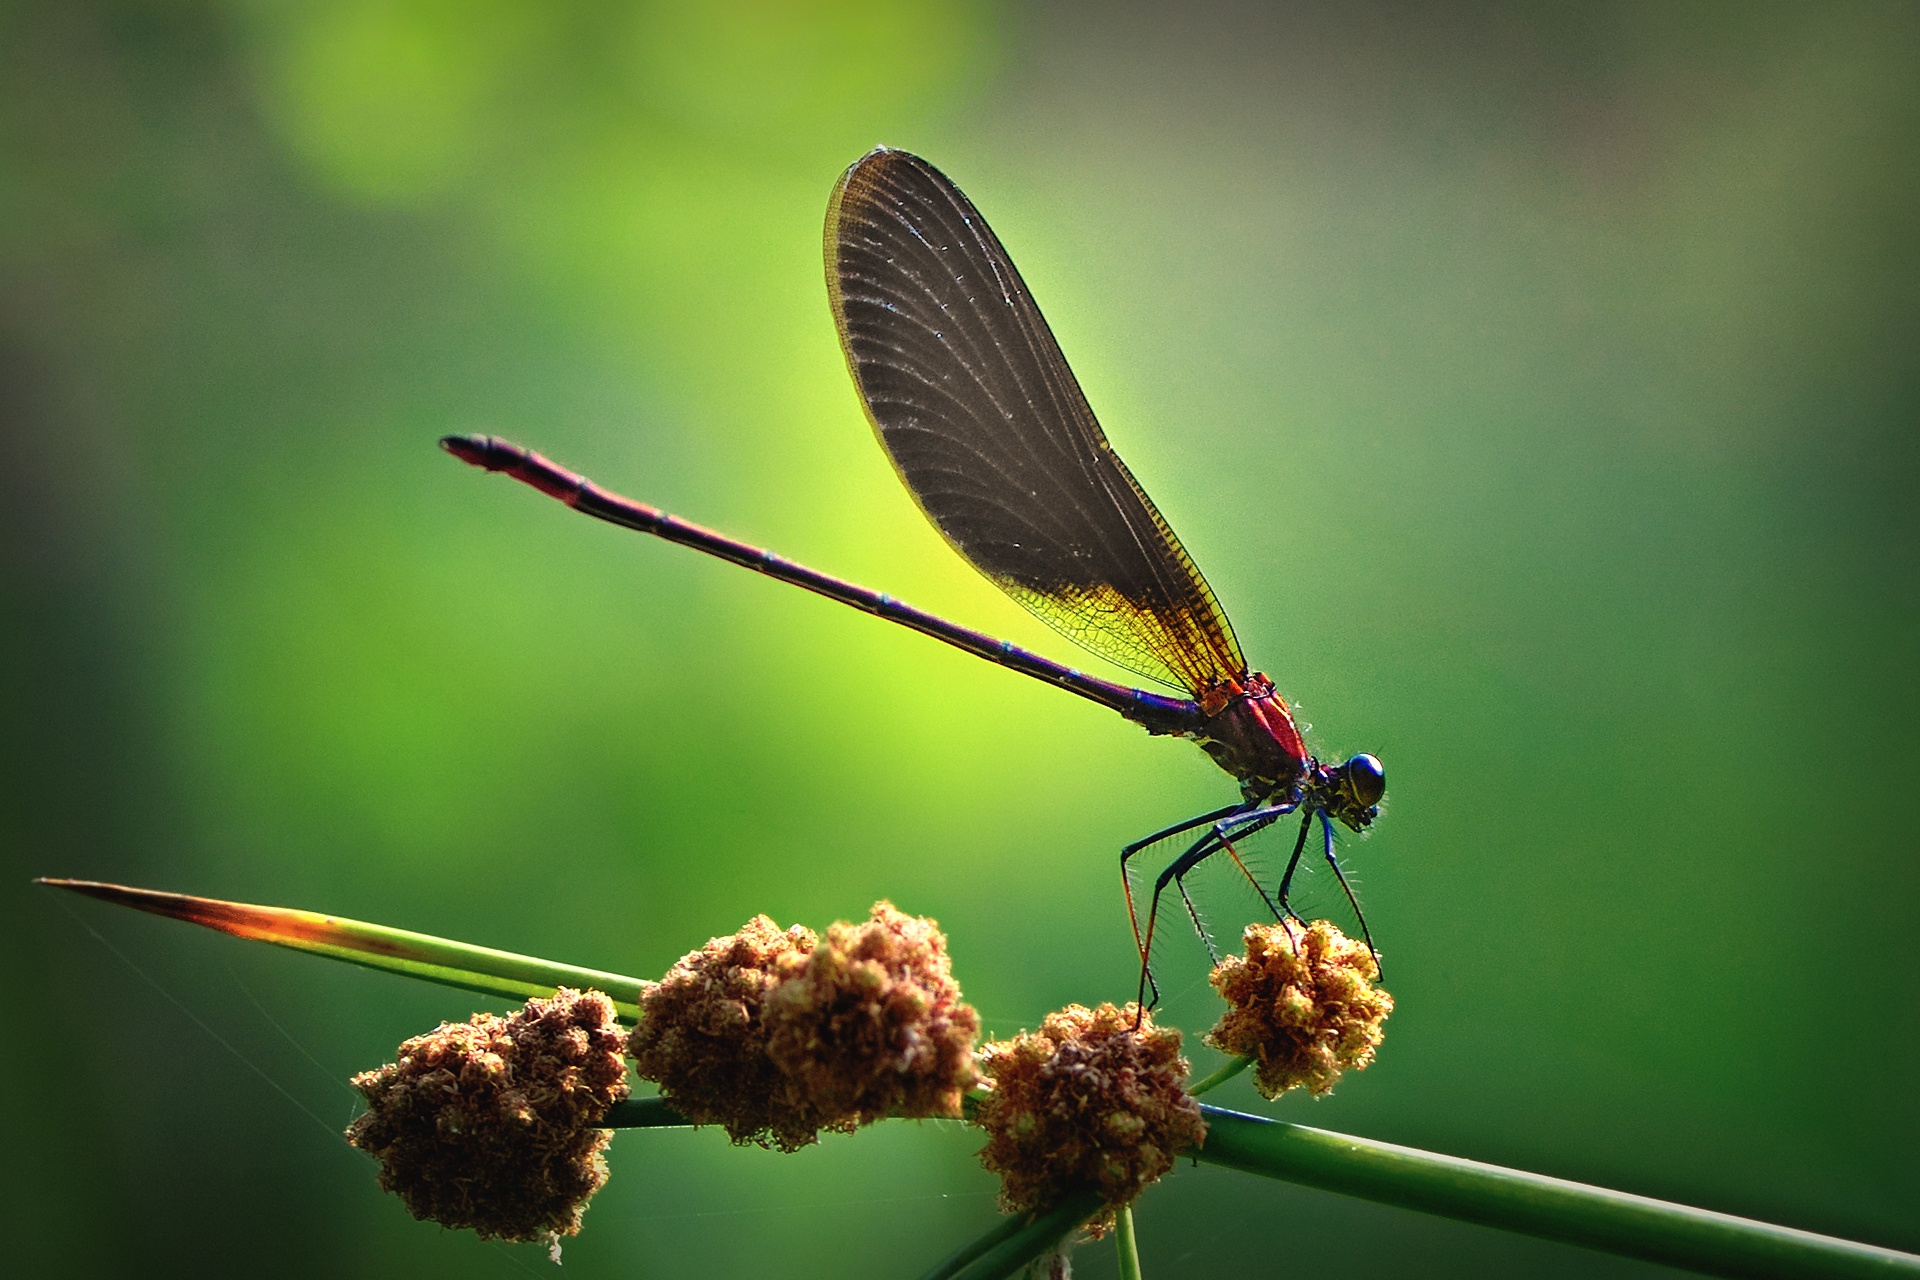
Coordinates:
1196	853
1366	935
1285	913
1126	886
1248	824
1193	914
1227	820
1293	864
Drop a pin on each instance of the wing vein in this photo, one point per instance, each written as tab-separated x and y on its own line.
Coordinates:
983	419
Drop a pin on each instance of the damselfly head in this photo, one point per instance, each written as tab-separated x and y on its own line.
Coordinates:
1357	788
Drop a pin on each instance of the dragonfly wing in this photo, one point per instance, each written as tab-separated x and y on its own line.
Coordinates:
970	395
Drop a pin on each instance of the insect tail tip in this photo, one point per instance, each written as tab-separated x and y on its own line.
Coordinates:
470	449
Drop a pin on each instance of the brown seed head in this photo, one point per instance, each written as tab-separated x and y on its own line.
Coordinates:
489	1124
702	1037
1087	1101
1303	1006
871	1024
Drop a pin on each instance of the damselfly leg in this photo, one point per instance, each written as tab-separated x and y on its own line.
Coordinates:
1230	824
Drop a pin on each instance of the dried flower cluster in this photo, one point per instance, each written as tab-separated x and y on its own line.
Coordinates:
489	1124
702	1037
1303	1006
871	1023
1087	1101
777	1036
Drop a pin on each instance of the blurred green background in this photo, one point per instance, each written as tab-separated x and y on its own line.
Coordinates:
1538	389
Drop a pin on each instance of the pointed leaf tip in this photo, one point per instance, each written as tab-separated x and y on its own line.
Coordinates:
375	946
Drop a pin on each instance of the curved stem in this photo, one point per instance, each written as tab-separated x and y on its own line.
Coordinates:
1553	1208
1531	1203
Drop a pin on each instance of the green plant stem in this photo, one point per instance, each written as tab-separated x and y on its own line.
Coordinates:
1530	1203
1127	1247
1033	1237
1011	1244
1614	1221
1228	1070
958	1261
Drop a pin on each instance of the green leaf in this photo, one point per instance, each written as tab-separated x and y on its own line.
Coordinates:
417	955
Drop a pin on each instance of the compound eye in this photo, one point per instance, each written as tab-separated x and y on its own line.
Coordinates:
1368	779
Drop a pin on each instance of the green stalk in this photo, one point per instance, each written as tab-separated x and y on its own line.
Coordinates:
375	946
956	1262
1009	1245
1034	1237
1614	1221
1530	1203
1128	1247
1228	1070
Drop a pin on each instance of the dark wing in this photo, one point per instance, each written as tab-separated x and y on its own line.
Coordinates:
985	422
